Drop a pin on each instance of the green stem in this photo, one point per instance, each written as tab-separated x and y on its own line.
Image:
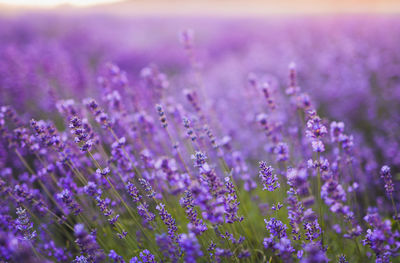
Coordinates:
320	203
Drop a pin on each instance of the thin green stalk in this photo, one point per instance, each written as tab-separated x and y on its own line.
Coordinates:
320	202
394	207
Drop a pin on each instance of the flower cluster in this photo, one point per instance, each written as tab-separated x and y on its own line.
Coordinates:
24	224
100	180
68	200
269	180
387	178
316	130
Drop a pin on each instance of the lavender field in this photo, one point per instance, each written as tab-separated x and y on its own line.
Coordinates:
199	139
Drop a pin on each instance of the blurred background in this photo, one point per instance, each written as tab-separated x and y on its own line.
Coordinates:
346	53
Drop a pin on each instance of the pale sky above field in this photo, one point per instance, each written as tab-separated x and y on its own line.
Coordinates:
234	7
55	2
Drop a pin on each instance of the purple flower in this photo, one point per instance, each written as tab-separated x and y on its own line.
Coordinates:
314	254
295	212
104	205
269	180
168	248
282	152
220	252
146	186
231	203
133	192
82	132
212	207
154	79
191	96
336	131
134	260
297	179
312	230
145	213
342	259
100	116
169	221
318	146
199	159
115	257
92	189
147	257
190	247
80	259
387	178
161	114
68	200
316	131
24	225
284	248
334	195
380	237
266	90
196	224
87	244
189	130
103	172
276	227
292	88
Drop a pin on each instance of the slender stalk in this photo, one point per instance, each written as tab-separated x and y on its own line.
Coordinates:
320	202
394	207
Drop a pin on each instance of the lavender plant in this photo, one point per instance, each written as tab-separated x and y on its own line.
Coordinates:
162	167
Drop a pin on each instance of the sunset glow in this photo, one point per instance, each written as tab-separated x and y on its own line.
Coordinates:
52	3
232	7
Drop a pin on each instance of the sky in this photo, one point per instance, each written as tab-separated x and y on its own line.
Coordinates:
50	3
230	7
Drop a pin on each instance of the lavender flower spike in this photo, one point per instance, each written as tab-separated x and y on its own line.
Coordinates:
24	225
387	178
269	180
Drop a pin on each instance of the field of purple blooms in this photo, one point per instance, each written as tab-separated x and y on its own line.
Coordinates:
238	140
